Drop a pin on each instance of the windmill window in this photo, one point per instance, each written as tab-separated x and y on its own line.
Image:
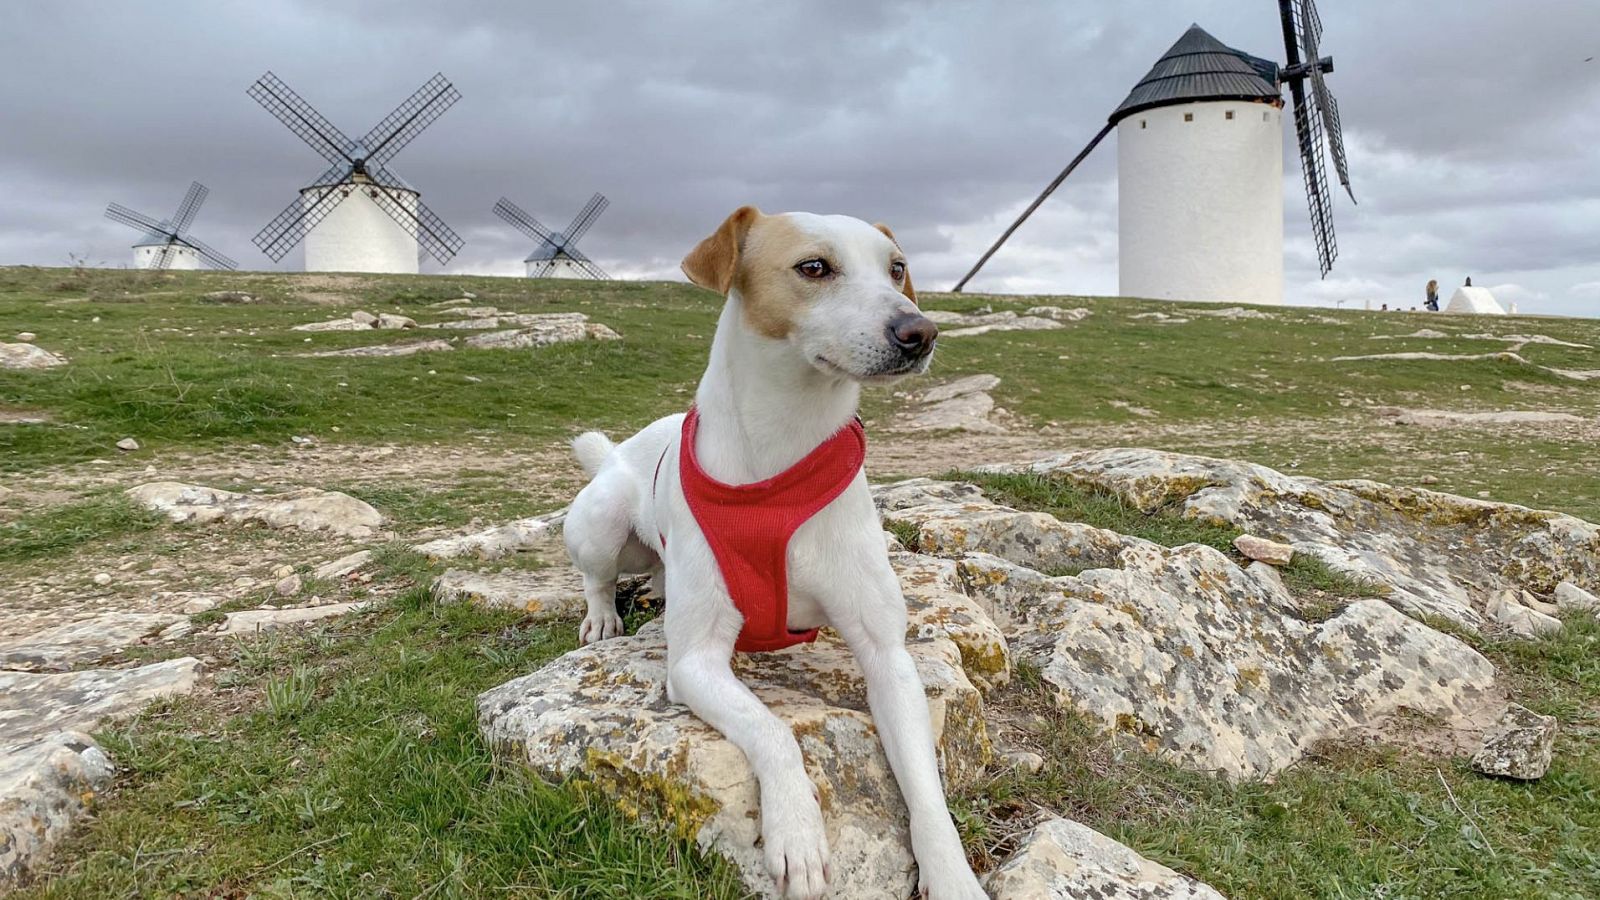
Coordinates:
1228	114
1188	117
1264	116
1142	123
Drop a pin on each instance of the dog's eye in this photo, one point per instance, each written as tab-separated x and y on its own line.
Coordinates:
897	270
814	268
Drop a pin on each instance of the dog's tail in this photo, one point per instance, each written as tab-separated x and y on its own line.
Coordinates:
592	448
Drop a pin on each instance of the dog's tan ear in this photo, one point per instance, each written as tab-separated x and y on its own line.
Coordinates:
713	263
905	287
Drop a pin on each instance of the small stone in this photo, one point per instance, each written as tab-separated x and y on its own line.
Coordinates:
1518	746
1570	599
1266	570
198	605
342	566
1506	608
1024	761
391	321
102	578
364	318
1263	550
127	443
26	337
1483	494
1430	479
287	587
283	571
469	295
1061	858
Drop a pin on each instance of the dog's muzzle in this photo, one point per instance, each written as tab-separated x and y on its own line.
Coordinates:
912	334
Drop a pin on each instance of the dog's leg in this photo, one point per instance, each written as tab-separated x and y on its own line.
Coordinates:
900	713
597	532
700	639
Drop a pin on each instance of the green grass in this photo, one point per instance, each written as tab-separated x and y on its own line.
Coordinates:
358	771
1074	503
1347	822
104	519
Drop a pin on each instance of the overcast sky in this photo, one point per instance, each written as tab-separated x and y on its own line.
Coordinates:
1473	128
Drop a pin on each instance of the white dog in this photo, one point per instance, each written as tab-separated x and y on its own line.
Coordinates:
816	307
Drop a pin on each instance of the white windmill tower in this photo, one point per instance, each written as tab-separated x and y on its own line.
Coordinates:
1200	167
167	244
358	216
557	254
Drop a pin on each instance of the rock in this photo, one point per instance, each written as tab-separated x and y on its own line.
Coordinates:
1265	570
1230	312
967	412
1502	356
255	621
1062	859
544	594
364	319
227	297
1437	554
342	566
1077	314
1263	550
600	714
349	323
493	543
28	356
1519	745
199	605
36	705
1427	333
1180	649
1573	599
307	509
465	300
102	579
557	328
404	348
952	325
961	387
287	586
46	785
65	646
564	321
1430	479
1506	609
127	443
27	337
391	321
1023	761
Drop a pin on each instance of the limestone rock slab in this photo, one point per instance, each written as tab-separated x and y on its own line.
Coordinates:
544	594
65	646
28	356
46	785
1520	745
492	543
307	509
1063	860
36	705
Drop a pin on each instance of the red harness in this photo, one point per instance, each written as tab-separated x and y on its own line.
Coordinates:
749	526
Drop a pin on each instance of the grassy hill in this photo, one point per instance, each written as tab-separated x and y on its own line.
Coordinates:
343	759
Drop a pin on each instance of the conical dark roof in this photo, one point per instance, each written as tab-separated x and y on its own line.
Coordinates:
1200	67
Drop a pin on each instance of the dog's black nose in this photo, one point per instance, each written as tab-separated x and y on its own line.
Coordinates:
912	333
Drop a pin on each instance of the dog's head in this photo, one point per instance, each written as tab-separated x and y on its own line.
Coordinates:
832	289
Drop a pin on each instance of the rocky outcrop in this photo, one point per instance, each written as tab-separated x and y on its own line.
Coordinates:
492	543
543	335
1198	659
543	594
36	705
46	785
601	714
1061	859
307	509
960	405
28	356
1445	418
256	621
1436	554
75	643
404	348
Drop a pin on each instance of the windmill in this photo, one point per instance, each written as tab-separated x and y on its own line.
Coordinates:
557	255
1200	166
358	216
167	244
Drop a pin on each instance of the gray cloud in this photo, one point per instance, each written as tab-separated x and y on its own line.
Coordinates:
1474	139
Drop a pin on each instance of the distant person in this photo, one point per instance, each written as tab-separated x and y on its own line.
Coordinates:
1469	281
1433	296
1386	307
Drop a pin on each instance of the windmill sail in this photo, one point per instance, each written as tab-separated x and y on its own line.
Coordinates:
168	235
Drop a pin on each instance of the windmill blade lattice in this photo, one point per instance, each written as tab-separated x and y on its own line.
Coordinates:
184	217
559	245
173	233
519	219
358	165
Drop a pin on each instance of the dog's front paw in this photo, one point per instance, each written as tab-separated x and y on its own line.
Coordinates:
599	627
942	869
795	845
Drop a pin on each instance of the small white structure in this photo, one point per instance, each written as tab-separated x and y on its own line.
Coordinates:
357	235
148	255
544	262
1475	300
1200	179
